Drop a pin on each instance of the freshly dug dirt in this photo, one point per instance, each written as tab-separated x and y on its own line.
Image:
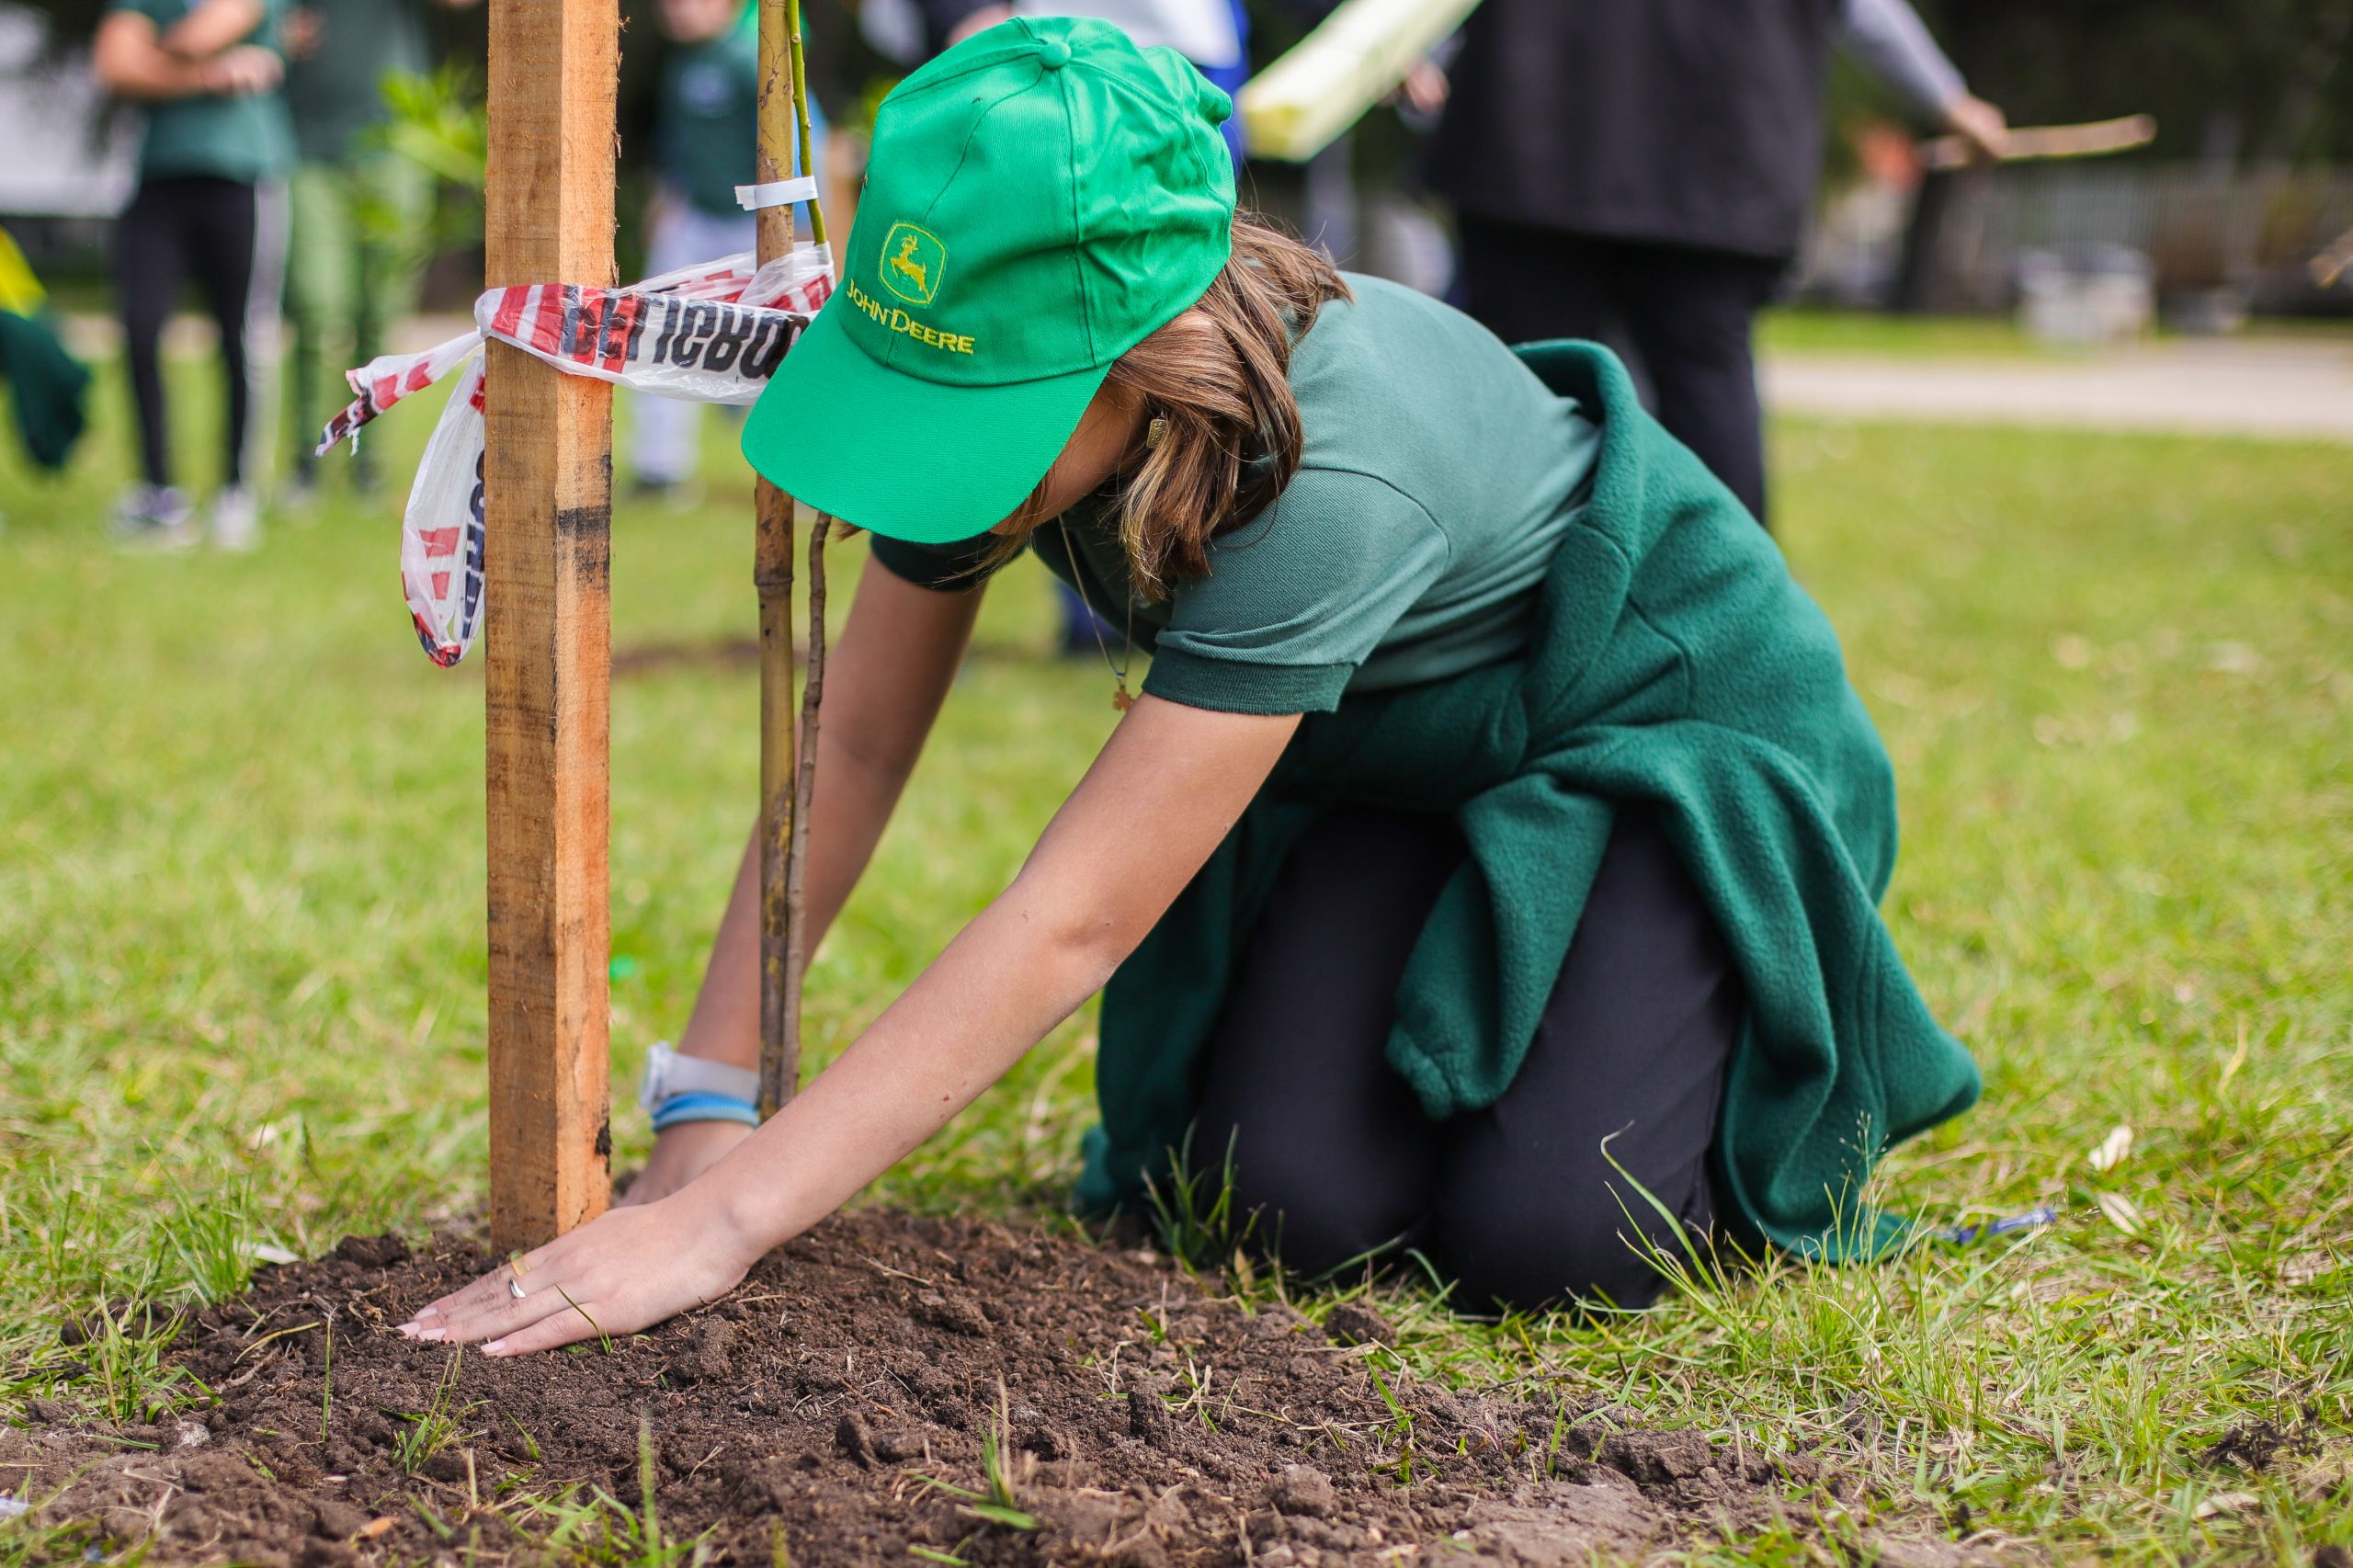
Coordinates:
839	1408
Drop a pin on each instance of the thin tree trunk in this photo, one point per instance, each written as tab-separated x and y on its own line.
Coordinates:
772	576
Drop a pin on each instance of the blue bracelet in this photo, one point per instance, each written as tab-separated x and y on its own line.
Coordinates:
705	1106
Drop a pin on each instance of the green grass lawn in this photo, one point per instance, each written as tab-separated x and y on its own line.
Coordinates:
242	962
1810	329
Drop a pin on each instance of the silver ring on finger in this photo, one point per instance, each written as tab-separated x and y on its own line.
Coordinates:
514	1287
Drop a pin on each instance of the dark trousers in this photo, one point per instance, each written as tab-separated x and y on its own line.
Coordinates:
227	238
1520	1203
1684	316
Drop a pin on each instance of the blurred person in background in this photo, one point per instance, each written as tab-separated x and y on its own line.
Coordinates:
211	206
346	276
1213	34
1641	171
706	140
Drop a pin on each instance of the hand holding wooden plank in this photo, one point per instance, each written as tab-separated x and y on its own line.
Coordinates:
2087	140
2333	262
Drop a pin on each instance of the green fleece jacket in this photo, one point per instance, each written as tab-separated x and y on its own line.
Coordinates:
1677	663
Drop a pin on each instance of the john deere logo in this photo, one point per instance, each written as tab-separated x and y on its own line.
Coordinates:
912	263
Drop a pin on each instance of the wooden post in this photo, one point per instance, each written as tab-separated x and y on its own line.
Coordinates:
772	576
547	492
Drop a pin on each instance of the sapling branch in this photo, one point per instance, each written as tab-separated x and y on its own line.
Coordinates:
801	111
772	575
805	789
779	1053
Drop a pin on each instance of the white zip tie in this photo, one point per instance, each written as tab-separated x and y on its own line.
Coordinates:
776	193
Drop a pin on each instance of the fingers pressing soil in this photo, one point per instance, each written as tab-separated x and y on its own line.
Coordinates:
890	1390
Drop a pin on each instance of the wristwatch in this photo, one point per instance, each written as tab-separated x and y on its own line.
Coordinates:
689	1088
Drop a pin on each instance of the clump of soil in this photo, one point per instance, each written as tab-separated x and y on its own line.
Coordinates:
886	1388
2255	1445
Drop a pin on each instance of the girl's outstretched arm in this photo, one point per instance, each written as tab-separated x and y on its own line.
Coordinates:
1169	785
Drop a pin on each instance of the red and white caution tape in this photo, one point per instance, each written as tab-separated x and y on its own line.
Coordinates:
712	333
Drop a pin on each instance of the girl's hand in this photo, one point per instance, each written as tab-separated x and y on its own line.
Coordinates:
680	1154
624	1271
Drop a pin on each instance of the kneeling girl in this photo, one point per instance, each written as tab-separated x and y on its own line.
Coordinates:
1489	864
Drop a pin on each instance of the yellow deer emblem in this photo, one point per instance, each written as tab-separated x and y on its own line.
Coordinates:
912	262
905	265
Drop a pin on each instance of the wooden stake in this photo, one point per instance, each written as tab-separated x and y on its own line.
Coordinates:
547	491
772	576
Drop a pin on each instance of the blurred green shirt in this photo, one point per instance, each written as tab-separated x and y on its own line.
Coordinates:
706	128
246	138
336	91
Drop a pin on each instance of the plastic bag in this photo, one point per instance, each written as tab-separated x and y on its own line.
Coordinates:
441	532
712	333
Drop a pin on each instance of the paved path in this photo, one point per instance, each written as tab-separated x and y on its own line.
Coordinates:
2296	388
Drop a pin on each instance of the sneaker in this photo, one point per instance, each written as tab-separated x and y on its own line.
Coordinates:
154	516
236	519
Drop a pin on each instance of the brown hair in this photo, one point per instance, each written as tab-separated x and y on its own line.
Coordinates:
1219	376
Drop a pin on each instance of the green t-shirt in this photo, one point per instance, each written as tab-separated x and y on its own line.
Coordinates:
244	137
1436	476
336	91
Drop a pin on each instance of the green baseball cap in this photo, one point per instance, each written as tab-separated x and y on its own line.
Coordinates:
1038	199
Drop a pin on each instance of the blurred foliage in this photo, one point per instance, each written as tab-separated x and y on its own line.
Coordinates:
2270	78
439	123
2234	80
2250	77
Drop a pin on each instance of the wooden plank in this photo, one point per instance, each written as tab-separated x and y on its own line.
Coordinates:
546	484
2089	139
772	576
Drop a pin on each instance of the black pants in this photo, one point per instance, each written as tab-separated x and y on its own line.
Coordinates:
1684	316
229	238
1519	1202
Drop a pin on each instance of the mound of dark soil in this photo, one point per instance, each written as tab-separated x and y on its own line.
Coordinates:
850	1405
